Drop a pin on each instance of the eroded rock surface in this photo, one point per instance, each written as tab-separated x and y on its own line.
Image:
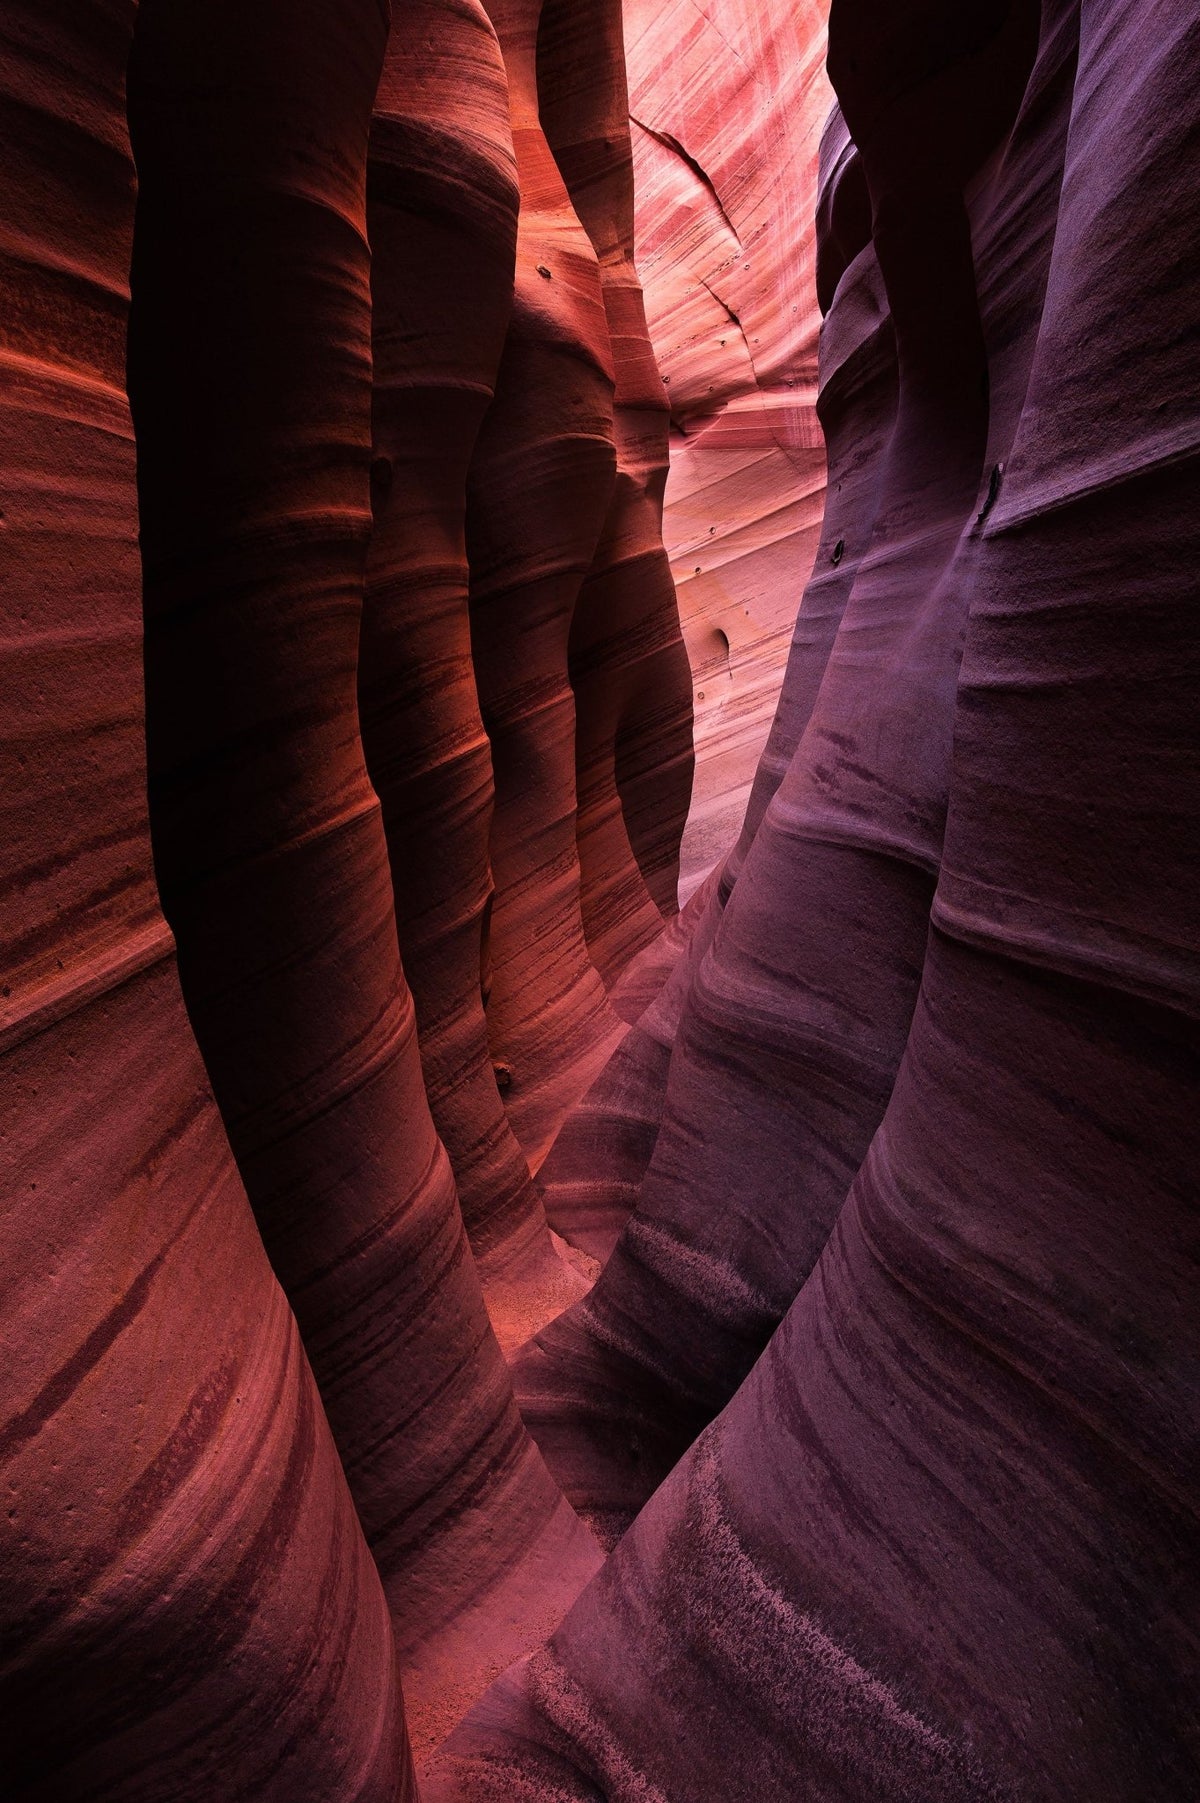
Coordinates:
189	1605
302	439
728	101
934	1545
886	1141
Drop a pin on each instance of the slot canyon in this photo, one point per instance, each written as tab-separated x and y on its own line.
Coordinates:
600	825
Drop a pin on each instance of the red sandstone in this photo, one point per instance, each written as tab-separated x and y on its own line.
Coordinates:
342	636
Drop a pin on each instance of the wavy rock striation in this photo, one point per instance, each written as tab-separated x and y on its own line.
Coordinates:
884	1397
442	204
799	1030
250	378
539	487
188	1606
727	102
629	669
935	1546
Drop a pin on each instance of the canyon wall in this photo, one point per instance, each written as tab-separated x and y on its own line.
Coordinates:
472	1329
727	102
885	1382
189	1605
312	434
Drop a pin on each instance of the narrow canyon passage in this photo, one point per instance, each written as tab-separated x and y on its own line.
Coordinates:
598	1025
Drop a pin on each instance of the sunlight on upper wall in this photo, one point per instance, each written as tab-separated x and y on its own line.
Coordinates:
727	105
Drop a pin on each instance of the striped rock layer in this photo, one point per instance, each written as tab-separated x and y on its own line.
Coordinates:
885	1396
311	767
250	374
579	662
798	1031
442	204
189	1608
938	1542
727	103
629	668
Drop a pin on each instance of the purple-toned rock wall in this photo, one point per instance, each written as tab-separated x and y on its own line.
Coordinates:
470	1328
936	1543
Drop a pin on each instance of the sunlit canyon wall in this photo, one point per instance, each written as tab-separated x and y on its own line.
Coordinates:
380	407
728	100
469	1330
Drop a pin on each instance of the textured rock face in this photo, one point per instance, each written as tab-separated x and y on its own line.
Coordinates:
629	669
581	669
884	1396
540	485
189	1607
728	100
791	1035
305	587
997	1298
442	220
251	328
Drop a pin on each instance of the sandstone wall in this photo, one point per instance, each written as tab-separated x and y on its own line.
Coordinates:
885	1378
466	1323
727	102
